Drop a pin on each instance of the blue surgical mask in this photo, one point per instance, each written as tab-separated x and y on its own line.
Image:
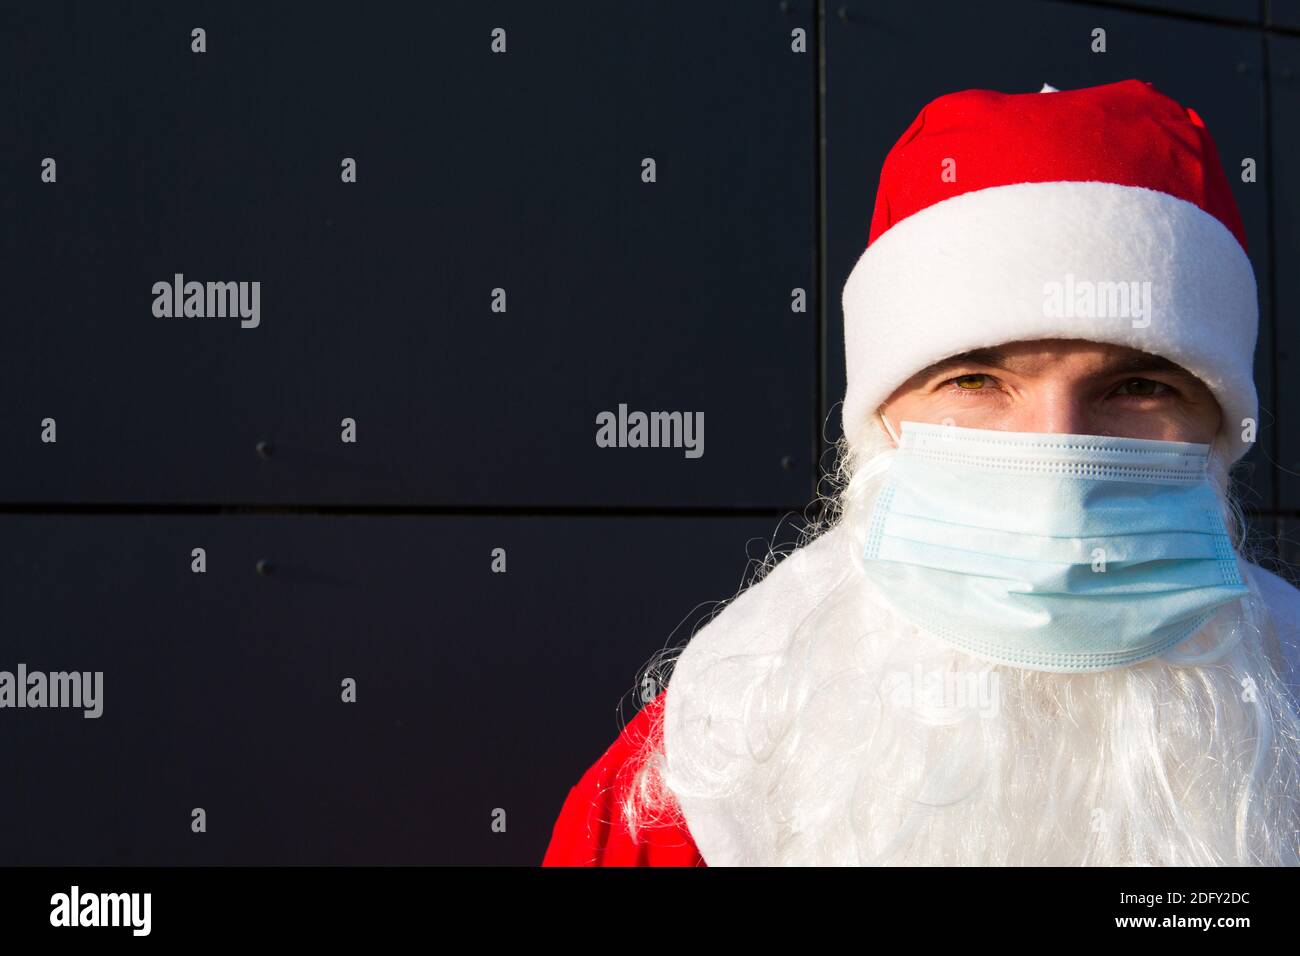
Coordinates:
1051	552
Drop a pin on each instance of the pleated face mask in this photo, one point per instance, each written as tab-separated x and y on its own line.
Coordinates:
1051	552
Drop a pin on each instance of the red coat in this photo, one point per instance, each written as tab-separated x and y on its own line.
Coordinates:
590	830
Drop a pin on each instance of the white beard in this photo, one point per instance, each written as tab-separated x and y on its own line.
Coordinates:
798	731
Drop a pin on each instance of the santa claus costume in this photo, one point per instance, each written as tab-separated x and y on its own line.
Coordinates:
800	726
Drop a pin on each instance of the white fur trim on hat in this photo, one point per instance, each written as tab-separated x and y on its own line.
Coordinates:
995	265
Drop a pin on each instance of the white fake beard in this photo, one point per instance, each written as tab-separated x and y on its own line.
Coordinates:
1192	758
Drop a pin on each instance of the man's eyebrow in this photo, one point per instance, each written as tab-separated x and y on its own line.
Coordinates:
988	357
1145	362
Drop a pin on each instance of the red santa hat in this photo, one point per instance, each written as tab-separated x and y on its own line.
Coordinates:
1003	217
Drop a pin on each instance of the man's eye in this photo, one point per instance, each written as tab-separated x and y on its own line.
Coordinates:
1142	387
971	383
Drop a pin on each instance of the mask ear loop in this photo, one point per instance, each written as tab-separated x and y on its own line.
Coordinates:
888	427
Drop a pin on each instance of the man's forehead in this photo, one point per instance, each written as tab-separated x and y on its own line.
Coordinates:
1018	356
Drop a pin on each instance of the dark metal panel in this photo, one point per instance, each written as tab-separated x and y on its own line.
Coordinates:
1284	13
1241	11
222	690
1288	548
886	60
476	171
1284	91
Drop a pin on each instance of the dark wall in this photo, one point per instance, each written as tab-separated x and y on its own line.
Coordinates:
475	428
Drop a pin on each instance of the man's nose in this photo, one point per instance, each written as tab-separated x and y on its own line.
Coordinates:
1062	414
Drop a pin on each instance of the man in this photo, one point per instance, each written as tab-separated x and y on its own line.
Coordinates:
1028	632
